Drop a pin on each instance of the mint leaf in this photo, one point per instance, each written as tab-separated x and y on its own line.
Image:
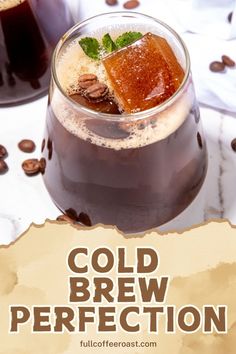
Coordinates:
91	47
108	43
127	38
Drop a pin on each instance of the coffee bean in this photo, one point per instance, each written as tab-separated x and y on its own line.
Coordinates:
42	163
111	2
27	146
96	91
31	167
230	15
84	219
43	145
50	148
199	140
217	66
228	61
3	152
3	167
87	80
131	4
65	218
233	144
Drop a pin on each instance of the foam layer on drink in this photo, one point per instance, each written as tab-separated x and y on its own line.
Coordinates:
8	4
137	133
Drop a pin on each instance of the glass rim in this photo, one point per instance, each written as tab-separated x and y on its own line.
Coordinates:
124	116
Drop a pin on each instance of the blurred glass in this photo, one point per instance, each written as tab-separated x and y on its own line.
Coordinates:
29	31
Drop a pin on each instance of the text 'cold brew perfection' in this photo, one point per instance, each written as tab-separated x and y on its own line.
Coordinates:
124	144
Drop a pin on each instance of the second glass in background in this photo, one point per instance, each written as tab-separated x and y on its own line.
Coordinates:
29	31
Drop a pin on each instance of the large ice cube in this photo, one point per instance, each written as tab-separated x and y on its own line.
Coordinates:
143	74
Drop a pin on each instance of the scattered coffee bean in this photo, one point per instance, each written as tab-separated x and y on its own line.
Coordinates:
3	152
3	167
84	219
31	167
65	218
111	2
228	61
43	145
27	146
42	163
96	91
87	80
233	144
217	66
50	148
131	4
230	15
199	140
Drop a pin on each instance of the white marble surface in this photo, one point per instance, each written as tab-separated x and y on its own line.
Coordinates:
24	200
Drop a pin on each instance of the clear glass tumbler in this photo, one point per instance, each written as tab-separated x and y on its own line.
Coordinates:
97	172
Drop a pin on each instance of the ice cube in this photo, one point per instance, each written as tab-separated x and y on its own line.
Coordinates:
143	74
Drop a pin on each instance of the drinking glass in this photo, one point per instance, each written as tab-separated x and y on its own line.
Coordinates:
29	31
98	172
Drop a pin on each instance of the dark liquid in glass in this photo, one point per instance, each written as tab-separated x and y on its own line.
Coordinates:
29	31
136	188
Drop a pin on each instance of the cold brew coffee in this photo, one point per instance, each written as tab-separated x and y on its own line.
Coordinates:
128	148
27	38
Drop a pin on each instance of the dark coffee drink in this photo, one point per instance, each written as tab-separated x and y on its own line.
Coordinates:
135	170
29	30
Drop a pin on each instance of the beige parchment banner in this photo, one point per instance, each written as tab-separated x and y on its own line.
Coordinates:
201	263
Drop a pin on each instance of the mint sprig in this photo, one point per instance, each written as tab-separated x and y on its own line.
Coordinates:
108	43
93	49
127	38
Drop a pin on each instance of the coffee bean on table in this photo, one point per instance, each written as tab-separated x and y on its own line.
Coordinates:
84	219
233	144
111	2
43	145
3	167
217	66
31	167
27	146
3	152
131	4
228	61
230	15
87	80
65	218
42	163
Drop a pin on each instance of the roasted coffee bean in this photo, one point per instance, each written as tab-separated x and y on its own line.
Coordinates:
3	167
84	219
43	145
50	148
131	4
233	144
3	152
228	61
199	140
65	218
111	2
96	91
87	80
217	66
230	15
31	167
42	163
27	146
